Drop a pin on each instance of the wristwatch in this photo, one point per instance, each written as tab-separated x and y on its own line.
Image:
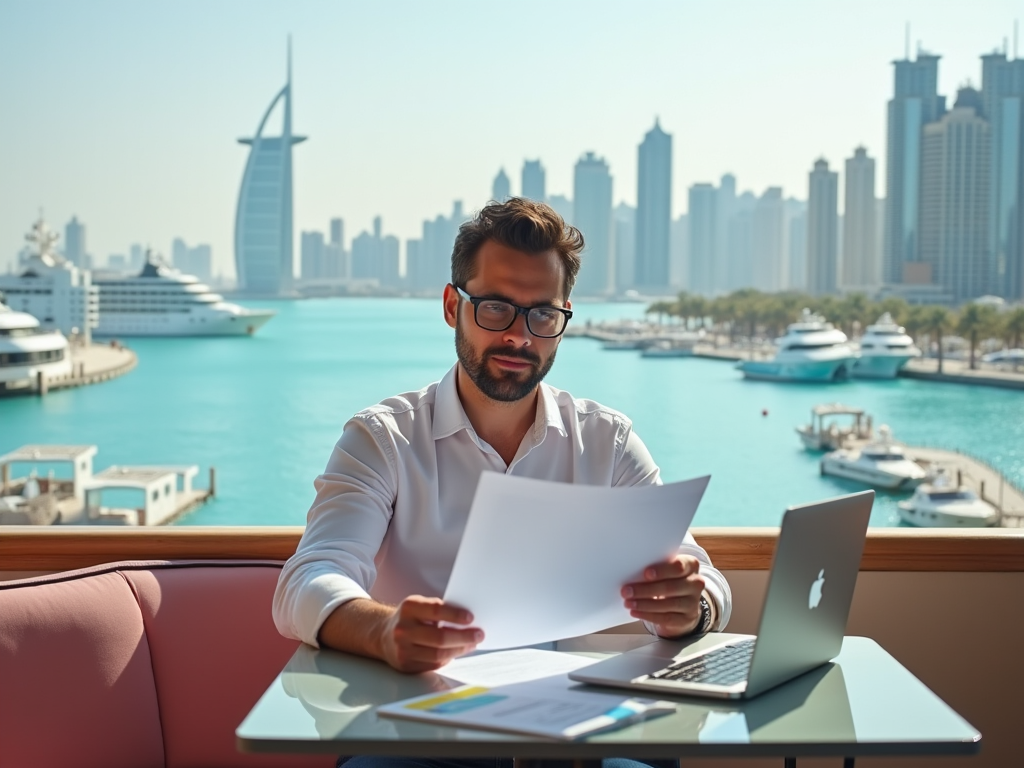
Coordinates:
704	623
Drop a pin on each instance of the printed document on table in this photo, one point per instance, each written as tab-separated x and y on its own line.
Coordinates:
541	561
551	707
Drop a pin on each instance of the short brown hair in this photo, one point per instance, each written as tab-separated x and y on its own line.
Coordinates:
525	225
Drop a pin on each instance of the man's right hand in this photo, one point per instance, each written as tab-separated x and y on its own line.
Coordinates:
412	641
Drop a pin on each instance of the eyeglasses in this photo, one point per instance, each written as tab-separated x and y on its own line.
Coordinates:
497	315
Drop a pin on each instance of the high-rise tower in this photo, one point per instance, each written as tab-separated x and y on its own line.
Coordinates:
534	178
592	215
264	235
1002	96
860	260
653	210
703	207
74	243
501	189
822	229
955	165
915	103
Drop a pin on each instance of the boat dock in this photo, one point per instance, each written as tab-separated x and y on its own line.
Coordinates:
989	483
90	364
119	495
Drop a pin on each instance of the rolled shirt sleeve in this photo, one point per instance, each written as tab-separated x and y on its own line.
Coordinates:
335	559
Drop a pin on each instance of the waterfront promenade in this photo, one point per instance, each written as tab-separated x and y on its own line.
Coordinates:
90	364
954	370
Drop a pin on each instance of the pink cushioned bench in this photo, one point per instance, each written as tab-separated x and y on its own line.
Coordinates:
138	665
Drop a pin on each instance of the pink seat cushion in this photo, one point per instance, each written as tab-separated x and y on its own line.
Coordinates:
76	679
215	651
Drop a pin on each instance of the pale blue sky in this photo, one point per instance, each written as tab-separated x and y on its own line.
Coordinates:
126	113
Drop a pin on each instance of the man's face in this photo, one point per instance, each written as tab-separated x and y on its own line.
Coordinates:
507	365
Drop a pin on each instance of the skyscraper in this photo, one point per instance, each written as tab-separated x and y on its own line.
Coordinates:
428	260
768	265
264	235
915	103
795	233
728	271
703	215
74	242
375	256
592	215
738	268
822	222
311	255
653	210
955	166
335	263
1002	94
624	224
679	253
501	189
859	256
562	206
533	178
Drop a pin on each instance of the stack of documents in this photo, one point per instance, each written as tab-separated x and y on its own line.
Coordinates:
542	561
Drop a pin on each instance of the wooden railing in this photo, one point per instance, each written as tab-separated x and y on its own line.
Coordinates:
887	549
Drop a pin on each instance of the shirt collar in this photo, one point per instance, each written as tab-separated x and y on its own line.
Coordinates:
450	417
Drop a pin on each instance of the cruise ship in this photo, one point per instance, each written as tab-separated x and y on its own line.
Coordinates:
885	347
811	350
162	301
29	352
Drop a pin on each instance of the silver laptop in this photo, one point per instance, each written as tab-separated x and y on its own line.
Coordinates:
802	622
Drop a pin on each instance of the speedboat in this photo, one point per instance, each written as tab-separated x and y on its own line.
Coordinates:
885	347
675	346
880	464
944	504
811	350
829	428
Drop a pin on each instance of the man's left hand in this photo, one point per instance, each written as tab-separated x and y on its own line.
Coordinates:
668	597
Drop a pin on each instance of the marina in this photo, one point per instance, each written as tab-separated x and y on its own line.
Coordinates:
69	493
267	412
857	453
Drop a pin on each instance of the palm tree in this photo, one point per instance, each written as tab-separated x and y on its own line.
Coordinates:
976	322
937	321
1013	327
895	306
854	308
660	308
916	321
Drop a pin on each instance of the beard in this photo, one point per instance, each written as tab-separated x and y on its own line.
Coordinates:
509	386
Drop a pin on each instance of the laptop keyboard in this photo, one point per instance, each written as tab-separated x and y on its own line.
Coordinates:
722	666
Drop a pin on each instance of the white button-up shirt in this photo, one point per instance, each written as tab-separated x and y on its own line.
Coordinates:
393	501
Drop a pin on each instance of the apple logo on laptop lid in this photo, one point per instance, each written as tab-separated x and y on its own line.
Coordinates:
816	586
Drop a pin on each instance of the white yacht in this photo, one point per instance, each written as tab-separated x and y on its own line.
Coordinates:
881	463
943	504
28	352
885	347
811	350
161	301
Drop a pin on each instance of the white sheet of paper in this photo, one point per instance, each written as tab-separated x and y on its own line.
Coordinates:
541	561
517	666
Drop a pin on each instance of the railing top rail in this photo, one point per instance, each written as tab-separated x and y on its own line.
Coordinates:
48	548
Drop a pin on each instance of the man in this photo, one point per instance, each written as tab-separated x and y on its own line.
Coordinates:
391	506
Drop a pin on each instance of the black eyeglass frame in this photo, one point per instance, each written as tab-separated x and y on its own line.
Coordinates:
524	311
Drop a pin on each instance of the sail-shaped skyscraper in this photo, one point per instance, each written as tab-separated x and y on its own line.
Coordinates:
264	233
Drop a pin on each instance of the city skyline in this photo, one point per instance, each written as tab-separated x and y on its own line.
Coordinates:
149	158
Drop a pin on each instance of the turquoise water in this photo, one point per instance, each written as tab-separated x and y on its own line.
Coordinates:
265	411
